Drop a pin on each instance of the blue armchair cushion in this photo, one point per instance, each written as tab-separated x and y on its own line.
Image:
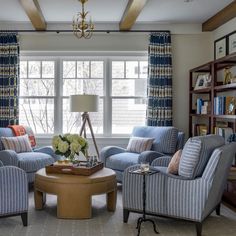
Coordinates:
33	161
5	132
122	160
165	138
17	144
139	144
191	165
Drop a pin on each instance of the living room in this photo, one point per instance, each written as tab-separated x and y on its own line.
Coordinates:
133	84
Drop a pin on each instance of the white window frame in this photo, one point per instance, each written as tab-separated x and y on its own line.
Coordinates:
107	57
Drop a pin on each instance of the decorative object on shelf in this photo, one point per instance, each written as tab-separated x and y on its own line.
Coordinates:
230	105
231	39
203	81
69	145
85	103
233	80
81	27
220	47
228	76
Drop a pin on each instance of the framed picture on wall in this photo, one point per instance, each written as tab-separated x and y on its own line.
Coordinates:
231	42
220	47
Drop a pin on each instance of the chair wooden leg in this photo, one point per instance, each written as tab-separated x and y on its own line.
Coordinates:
199	229
218	209
24	218
125	215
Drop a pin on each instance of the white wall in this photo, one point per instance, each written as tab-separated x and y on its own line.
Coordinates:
189	50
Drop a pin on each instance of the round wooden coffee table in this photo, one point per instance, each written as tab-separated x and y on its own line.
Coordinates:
74	192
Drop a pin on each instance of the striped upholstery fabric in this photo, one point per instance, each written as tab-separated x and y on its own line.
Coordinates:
162	161
196	154
13	190
220	164
18	144
176	197
31	161
5	132
165	195
139	144
190	156
165	137
180	141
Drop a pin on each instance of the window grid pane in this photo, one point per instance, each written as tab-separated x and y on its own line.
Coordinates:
36	105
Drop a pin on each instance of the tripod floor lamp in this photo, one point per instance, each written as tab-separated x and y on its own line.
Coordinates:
85	103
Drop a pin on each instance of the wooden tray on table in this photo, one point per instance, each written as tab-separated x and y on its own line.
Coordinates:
77	169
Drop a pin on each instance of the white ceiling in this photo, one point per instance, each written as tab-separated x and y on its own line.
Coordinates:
171	11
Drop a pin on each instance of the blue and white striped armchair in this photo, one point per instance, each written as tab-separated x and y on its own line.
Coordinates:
190	198
167	140
13	192
30	162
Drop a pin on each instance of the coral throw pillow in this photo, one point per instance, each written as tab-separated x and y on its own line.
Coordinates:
174	163
17	144
138	144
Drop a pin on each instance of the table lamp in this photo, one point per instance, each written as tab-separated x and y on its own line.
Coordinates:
85	103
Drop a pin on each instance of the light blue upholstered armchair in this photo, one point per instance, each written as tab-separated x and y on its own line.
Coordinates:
167	140
30	162
193	194
13	192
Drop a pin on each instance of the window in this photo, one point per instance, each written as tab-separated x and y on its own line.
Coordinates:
129	83
82	77
37	80
45	87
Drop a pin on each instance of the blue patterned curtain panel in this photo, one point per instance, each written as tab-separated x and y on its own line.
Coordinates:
159	90
9	79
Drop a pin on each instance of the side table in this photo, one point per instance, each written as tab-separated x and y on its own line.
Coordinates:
143	218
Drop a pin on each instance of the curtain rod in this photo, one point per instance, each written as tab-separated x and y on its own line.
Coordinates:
95	31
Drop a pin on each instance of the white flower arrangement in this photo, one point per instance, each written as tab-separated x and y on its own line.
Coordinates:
69	144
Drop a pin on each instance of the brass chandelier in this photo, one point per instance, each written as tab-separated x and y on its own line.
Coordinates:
81	27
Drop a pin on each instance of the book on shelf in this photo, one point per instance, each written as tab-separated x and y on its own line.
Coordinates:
199	129
224	105
232	173
225	132
203	107
222	124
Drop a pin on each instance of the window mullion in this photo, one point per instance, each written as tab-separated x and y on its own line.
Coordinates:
58	97
107	100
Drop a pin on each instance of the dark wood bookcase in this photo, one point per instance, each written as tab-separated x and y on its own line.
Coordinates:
212	67
215	69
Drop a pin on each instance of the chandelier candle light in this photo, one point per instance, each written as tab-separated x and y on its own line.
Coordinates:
82	28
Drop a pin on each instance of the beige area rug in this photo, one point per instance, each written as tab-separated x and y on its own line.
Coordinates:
104	223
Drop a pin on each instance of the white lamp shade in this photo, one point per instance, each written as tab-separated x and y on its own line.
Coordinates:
84	103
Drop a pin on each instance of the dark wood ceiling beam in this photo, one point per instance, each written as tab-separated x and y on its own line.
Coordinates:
34	13
132	11
220	18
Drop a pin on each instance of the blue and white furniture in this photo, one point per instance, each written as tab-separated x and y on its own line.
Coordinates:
167	140
13	192
30	162
193	194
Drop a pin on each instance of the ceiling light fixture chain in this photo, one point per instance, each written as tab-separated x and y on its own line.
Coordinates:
81	27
